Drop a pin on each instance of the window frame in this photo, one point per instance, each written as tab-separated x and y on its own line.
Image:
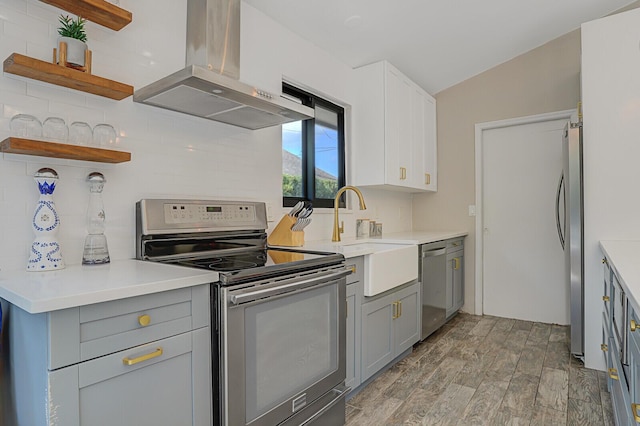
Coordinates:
308	149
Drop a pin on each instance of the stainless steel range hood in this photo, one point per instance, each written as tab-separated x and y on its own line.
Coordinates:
208	87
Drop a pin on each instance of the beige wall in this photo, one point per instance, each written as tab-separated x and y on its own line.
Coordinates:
545	79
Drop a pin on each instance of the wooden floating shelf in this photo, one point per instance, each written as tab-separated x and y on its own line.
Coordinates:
99	11
36	69
62	150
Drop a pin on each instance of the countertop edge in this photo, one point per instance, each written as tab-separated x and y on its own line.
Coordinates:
26	291
408	237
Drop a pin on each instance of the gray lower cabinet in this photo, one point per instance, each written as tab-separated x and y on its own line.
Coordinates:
355	290
390	326
621	349
138	361
455	276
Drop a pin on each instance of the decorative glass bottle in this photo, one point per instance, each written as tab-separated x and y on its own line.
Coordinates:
45	252
95	244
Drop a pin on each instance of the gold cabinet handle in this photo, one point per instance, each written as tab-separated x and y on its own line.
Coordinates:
130	361
605	298
632	325
399	309
634	410
613	373
427	179
144	320
353	268
456	263
403	173
604	347
394	315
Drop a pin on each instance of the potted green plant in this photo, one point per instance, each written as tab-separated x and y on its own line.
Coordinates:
72	32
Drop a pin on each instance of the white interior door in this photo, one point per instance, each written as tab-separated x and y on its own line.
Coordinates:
523	262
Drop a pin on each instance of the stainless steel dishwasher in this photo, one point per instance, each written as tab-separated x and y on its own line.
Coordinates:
433	279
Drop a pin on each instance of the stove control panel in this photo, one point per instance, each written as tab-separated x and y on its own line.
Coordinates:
209	214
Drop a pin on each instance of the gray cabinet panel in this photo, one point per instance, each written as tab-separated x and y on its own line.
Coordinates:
619	393
171	388
407	325
356	264
377	336
354	302
390	326
63	405
455	277
63	337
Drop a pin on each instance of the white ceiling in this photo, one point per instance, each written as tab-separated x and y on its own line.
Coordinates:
437	43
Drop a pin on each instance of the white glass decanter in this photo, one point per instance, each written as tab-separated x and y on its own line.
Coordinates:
45	254
95	250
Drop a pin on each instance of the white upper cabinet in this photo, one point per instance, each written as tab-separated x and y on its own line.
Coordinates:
394	131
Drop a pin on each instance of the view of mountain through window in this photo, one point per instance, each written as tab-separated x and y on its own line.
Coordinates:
313	153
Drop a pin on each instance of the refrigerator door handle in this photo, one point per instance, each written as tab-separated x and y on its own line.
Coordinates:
560	236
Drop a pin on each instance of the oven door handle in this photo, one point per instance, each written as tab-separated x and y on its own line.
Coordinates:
238	299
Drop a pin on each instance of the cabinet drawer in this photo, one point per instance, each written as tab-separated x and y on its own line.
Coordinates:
103	328
620	398
455	244
167	382
356	264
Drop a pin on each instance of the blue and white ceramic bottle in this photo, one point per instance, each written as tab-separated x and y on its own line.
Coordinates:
45	254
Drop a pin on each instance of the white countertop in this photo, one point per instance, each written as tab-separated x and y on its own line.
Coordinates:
623	257
410	237
79	285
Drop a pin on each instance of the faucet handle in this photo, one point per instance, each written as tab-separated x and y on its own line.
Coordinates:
341	227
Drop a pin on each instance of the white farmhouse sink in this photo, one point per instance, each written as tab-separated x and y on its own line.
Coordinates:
387	265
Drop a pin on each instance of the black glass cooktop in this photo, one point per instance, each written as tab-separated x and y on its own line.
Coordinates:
261	263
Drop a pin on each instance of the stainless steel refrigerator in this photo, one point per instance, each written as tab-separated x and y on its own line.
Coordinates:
570	219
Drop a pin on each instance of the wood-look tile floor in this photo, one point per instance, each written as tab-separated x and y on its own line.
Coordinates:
481	370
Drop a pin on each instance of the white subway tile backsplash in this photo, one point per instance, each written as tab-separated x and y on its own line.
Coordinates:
173	155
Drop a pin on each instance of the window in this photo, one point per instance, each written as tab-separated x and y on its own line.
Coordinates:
313	153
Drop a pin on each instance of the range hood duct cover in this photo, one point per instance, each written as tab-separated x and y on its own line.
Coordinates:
208	87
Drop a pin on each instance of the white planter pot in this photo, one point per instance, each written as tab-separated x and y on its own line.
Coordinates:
75	50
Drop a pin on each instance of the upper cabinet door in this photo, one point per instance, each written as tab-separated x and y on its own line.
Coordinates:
430	152
394	131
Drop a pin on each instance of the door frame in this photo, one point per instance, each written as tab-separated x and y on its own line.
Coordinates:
480	128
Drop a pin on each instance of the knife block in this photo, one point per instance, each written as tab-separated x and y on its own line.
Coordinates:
282	235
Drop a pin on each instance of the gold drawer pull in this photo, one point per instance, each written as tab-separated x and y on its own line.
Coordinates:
633	326
154	354
604	347
605	298
144	320
353	268
394	314
456	263
613	373
634	410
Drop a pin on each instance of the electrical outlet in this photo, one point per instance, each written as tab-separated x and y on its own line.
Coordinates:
472	210
270	217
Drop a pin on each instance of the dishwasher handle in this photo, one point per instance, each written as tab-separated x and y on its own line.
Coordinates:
434	252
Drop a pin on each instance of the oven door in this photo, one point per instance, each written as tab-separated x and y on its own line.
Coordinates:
282	346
